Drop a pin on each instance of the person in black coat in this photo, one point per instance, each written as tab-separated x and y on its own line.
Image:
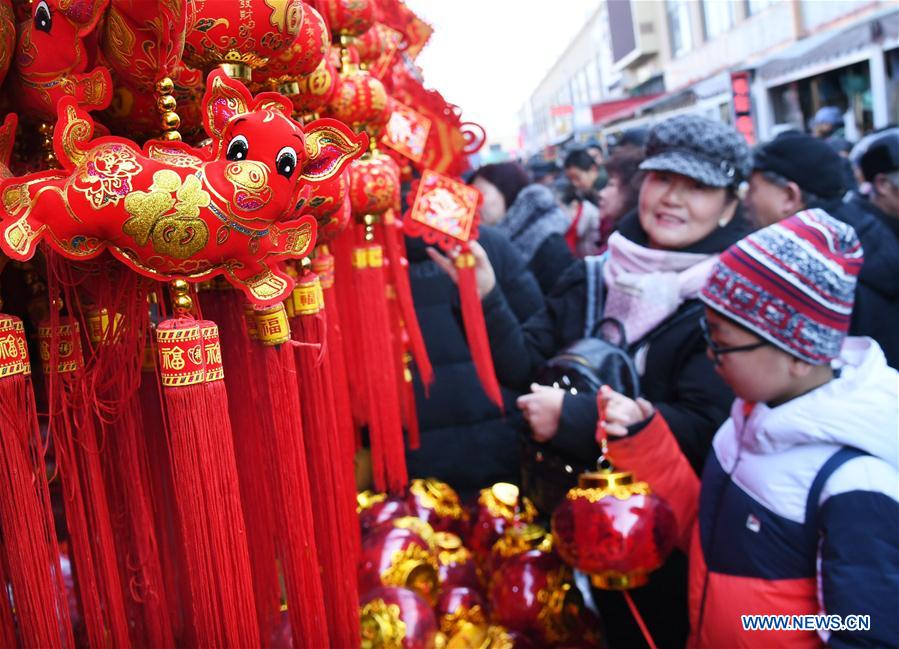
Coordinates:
529	215
465	440
657	262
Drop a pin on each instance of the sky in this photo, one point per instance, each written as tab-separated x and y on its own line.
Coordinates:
488	56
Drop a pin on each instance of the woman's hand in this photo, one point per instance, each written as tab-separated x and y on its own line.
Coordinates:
483	269
622	412
542	409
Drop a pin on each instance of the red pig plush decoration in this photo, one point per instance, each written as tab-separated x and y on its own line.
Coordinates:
173	211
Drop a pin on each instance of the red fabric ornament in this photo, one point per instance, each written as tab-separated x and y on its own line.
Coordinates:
347	18
7	37
328	203
54	56
174	211
397	617
305	53
204	475
26	517
359	100
243	35
311	92
396	556
445	213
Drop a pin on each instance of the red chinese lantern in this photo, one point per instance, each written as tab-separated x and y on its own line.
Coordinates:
462	614
239	36
359	101
307	50
397	618
456	567
311	92
611	526
347	17
377	508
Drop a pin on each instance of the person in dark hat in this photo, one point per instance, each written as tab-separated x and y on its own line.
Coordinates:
793	172
880	168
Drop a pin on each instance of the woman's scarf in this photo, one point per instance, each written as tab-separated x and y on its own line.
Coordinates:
644	286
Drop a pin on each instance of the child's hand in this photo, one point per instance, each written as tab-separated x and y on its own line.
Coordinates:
542	409
622	411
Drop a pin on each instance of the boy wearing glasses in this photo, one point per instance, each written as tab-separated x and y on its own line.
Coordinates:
797	512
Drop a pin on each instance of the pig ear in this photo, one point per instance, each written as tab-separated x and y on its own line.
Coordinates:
7	138
273	101
330	146
224	99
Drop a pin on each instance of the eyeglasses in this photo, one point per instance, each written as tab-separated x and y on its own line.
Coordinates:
718	352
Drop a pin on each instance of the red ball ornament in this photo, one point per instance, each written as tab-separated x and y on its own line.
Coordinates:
437	503
518	539
328	203
309	48
498	508
310	93
347	17
397	618
394	556
359	100
374	184
462	613
456	567
614	529
377	508
241	35
532	593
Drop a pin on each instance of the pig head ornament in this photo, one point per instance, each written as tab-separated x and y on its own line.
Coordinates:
174	211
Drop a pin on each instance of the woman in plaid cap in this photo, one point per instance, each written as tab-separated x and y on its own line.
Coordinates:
652	272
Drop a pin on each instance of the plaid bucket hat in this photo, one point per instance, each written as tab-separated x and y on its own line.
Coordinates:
702	149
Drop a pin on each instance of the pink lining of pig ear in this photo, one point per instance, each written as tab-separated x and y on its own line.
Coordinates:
330	146
225	98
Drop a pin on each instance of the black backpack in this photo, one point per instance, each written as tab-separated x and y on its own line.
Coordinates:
583	366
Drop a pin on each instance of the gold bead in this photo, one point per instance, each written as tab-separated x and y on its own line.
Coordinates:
180	286
182	303
170	121
165	86
171	136
166	103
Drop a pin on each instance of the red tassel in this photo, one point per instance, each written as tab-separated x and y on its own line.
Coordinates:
330	463
74	434
165	508
476	329
7	624
205	481
293	503
345	293
246	399
26	518
399	268
374	332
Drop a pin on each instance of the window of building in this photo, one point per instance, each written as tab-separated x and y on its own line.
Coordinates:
754	7
679	26
717	16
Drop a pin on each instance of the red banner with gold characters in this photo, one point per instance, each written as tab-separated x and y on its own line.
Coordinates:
444	212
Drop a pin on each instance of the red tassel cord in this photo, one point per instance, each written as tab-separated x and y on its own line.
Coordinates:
330	466
27	529
399	271
345	294
165	510
246	399
373	328
293	502
74	434
205	480
117	329
7	623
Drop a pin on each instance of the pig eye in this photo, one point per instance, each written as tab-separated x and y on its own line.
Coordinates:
42	20
286	161
238	148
